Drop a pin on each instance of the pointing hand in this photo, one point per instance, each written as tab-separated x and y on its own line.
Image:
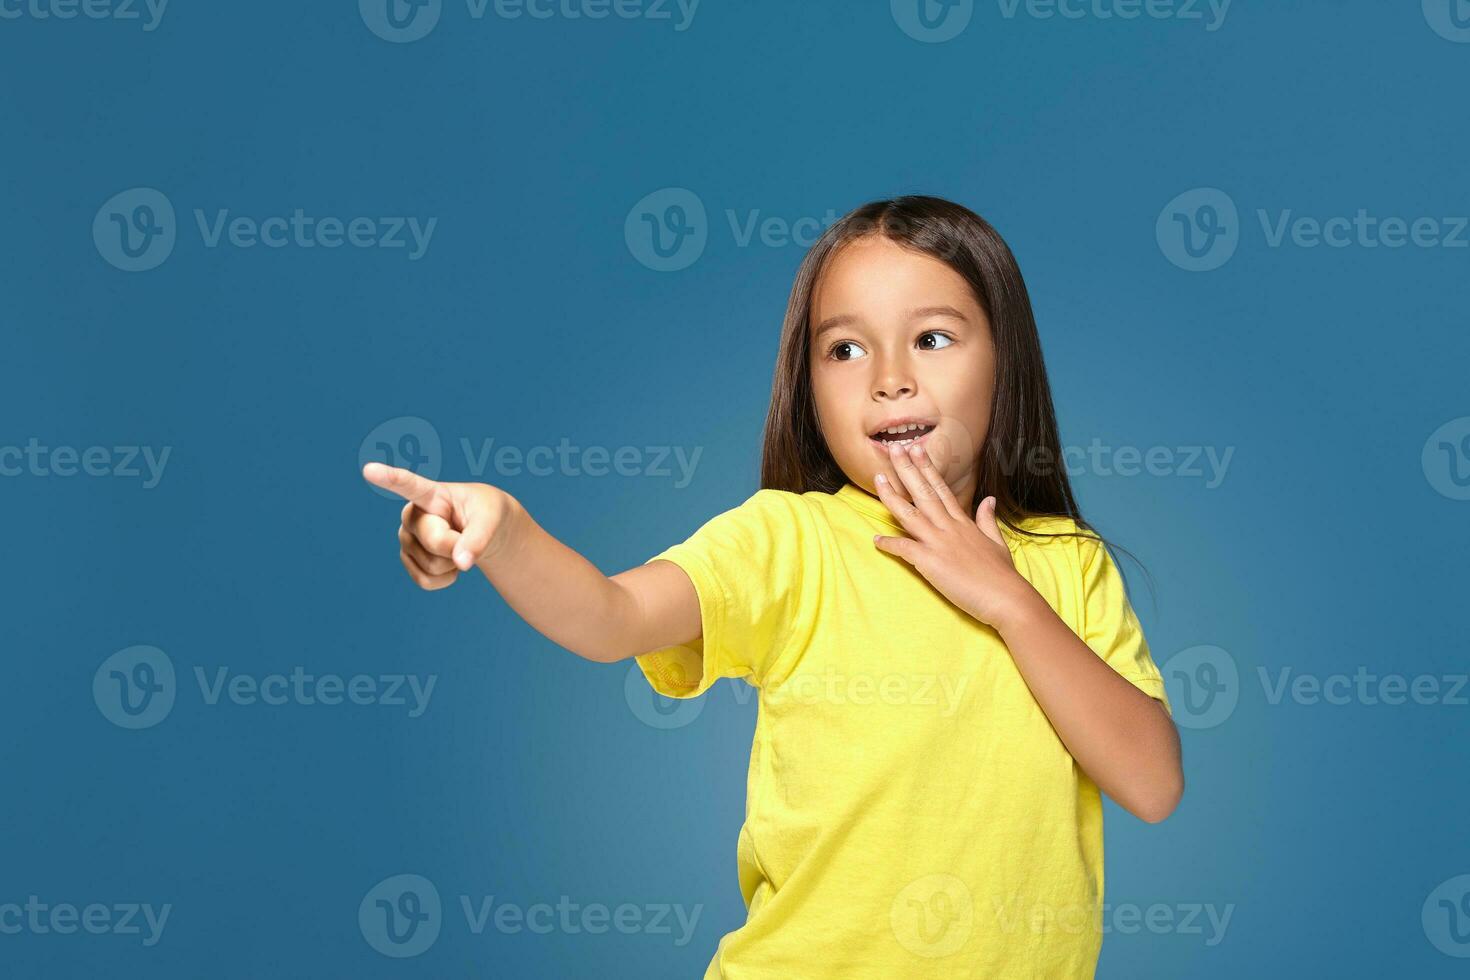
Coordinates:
446	528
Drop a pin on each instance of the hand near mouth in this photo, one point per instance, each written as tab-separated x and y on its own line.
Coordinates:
966	560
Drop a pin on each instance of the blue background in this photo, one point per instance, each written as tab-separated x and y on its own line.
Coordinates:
530	319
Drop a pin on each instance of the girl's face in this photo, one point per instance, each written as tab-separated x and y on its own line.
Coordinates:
897	337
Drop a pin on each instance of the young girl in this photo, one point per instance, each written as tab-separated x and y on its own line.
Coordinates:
949	668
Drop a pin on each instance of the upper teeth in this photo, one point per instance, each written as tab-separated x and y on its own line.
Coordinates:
897	429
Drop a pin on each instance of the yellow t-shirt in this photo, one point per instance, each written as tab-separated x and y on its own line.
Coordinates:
910	812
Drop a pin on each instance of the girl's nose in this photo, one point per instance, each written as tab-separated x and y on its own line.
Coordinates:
893	384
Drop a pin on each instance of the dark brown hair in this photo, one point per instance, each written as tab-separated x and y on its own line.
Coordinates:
1023	426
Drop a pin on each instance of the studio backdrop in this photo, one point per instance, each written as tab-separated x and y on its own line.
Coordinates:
247	248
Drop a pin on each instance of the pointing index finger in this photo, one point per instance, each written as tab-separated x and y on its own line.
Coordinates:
406	483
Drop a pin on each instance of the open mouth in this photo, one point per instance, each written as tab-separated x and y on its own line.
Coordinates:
901	435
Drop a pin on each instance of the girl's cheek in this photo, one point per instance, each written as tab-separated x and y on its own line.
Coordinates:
955	440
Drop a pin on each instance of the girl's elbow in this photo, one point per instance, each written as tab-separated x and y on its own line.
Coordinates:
603	654
1158	808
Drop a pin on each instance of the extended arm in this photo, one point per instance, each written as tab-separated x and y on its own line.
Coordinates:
566	599
447	528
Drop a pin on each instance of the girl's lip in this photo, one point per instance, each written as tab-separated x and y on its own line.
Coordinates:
883	447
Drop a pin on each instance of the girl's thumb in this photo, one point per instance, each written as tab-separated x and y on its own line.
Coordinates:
985	519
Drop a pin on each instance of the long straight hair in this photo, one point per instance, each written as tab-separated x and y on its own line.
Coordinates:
1023	425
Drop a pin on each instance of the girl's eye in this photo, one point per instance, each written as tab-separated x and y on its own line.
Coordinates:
941	341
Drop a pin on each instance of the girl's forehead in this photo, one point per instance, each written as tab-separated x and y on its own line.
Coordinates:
879	280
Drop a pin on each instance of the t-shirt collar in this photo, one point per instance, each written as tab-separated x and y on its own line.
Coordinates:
865	503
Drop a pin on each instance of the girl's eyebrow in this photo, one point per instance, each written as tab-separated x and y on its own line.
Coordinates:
921	313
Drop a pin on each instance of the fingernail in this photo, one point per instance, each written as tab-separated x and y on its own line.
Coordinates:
882	478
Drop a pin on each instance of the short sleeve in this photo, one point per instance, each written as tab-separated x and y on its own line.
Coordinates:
746	565
1110	626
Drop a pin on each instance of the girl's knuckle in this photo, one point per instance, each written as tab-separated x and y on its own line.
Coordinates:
411	568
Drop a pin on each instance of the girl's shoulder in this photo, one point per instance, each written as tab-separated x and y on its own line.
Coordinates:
1055	532
1049	524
